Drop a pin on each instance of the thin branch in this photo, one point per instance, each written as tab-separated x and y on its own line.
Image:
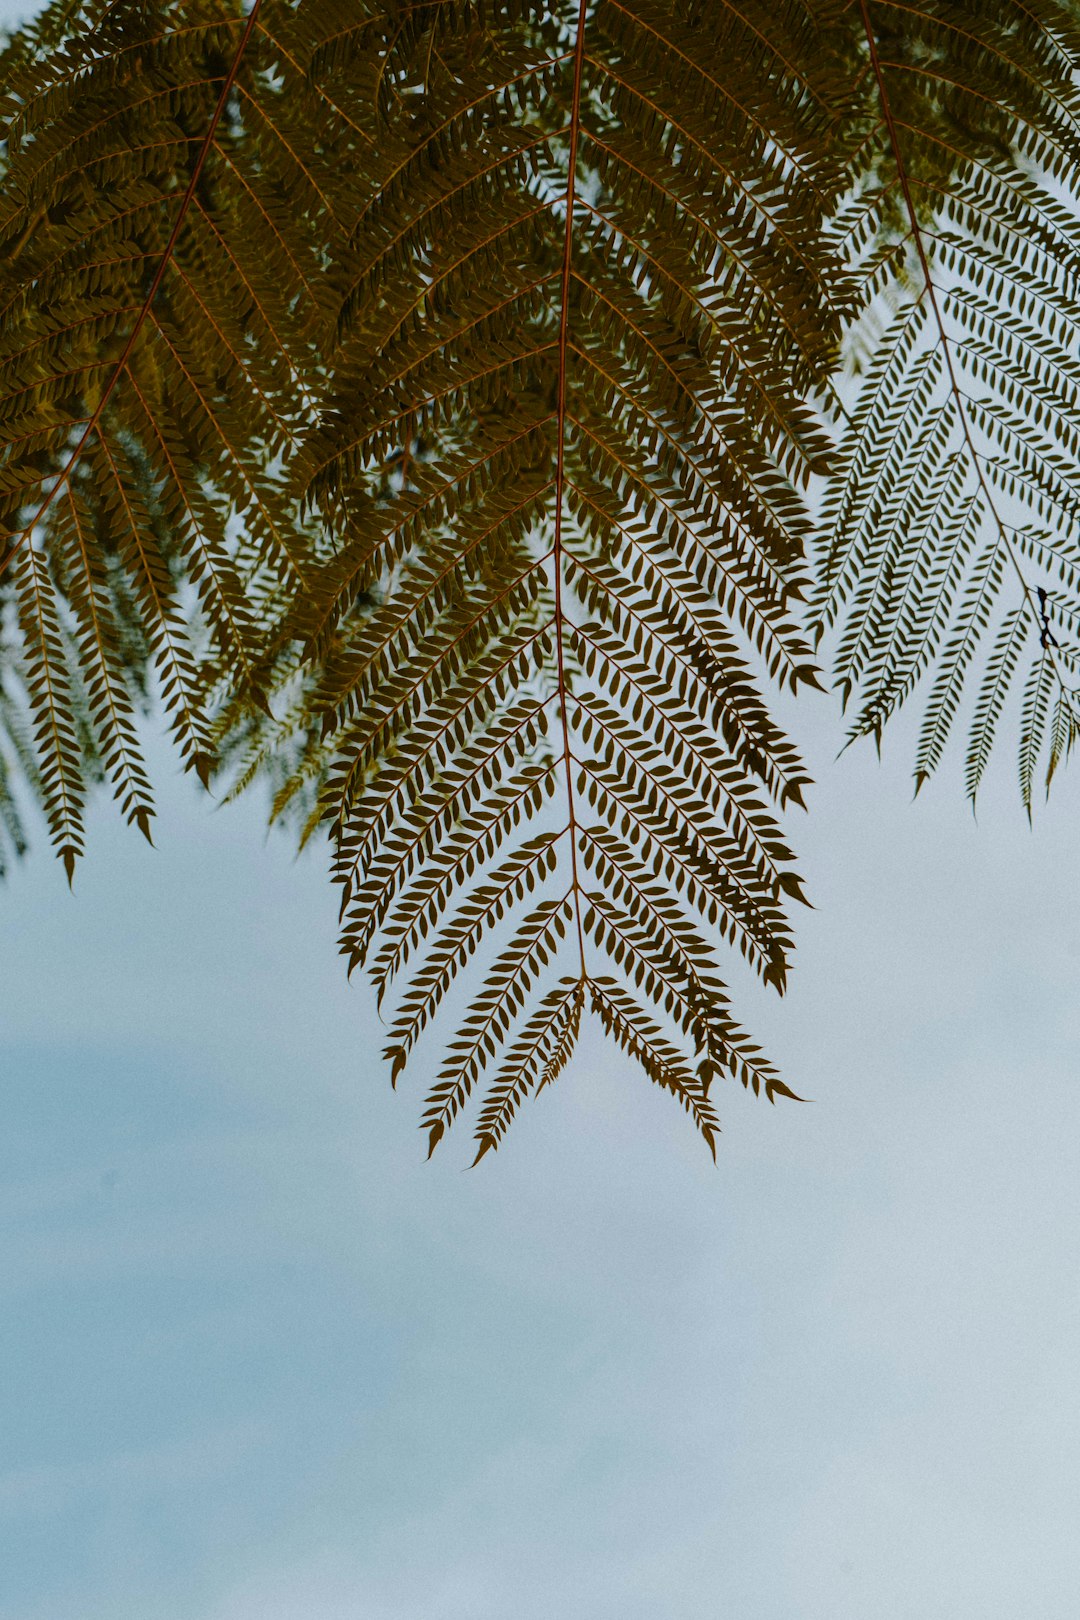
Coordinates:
560	466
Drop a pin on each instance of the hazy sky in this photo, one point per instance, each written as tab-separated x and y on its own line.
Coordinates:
264	1363
261	1362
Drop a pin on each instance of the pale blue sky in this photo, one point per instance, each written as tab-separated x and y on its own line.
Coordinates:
264	1363
261	1362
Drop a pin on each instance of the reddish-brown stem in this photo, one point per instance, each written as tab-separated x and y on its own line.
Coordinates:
560	463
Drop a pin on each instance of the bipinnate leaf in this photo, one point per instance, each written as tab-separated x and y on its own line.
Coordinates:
583	304
951	557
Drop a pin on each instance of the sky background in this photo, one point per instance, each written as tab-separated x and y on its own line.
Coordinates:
260	1361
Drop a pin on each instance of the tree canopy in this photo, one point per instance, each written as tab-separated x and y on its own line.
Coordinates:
467	417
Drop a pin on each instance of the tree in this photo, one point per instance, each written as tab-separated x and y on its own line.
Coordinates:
465	415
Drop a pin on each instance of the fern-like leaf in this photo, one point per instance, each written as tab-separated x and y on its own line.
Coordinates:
952	530
162	228
584	305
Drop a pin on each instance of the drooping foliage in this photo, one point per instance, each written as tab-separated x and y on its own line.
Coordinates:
563	446
953	549
433	403
162	238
